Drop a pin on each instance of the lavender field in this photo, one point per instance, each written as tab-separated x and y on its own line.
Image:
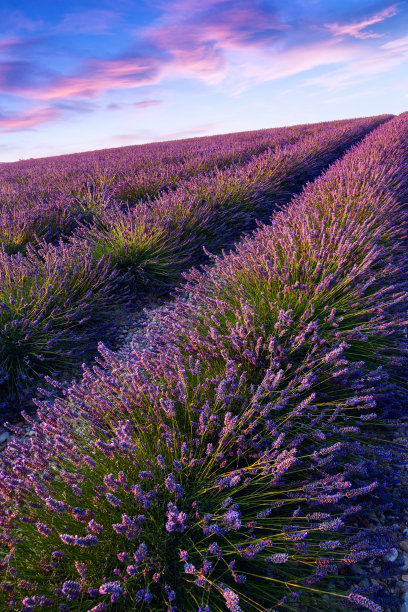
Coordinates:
228	458
60	290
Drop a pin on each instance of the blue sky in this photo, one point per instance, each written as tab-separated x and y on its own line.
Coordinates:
91	75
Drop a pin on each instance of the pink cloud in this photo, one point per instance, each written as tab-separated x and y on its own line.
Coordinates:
191	51
199	39
216	41
99	76
356	29
147	103
28	119
239	26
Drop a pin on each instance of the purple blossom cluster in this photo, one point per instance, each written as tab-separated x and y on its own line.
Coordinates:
231	442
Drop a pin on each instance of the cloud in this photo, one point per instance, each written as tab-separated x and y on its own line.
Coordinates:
147	103
27	119
198	36
357	29
289	62
397	46
142	104
244	43
17	44
98	76
93	21
387	57
19	74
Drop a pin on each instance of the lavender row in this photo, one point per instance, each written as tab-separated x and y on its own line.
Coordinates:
109	166
49	197
156	240
150	245
220	469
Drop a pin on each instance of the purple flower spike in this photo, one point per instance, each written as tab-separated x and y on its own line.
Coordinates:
112	588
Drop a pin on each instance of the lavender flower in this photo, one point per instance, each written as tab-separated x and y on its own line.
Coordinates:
278	558
71	589
112	588
364	602
175	519
171	595
43	529
231	600
172	486
160	461
114	501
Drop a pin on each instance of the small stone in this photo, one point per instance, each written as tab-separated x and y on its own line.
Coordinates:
404	577
403	545
391	556
4	435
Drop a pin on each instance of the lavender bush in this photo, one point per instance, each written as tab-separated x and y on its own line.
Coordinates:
219	469
48	300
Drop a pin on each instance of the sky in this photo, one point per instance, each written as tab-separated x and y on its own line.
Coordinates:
87	75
